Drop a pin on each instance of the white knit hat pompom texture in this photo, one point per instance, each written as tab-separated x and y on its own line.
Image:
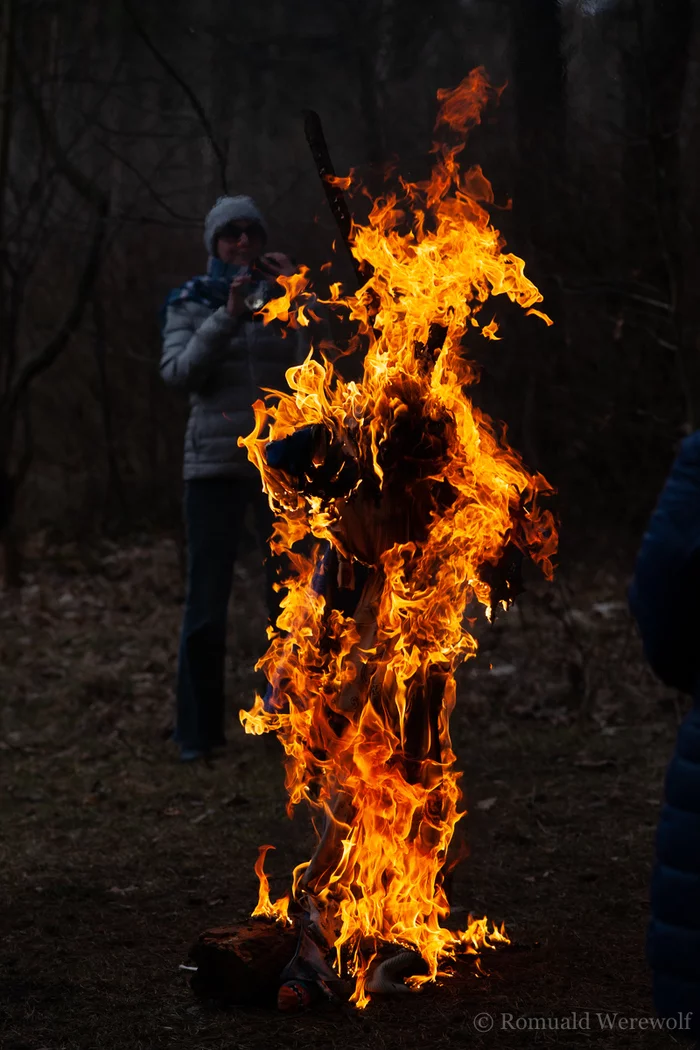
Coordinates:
226	210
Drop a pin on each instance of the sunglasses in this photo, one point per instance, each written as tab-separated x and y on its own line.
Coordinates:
234	232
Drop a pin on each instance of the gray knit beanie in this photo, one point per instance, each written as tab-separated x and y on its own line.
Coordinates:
226	210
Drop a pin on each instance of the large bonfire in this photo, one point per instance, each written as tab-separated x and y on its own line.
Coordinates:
414	504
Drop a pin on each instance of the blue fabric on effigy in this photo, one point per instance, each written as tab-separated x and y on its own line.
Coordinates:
663	599
292	453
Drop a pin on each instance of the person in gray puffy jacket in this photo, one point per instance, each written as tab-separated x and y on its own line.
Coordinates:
218	352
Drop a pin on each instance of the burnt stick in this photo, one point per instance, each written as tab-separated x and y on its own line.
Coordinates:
316	139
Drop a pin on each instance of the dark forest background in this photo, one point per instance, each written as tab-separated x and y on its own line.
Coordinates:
121	122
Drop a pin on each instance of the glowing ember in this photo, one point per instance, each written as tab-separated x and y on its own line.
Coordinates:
421	501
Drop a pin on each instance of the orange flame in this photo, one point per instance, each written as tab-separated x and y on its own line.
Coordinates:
368	697
265	907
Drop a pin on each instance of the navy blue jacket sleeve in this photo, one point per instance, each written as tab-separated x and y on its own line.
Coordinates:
665	592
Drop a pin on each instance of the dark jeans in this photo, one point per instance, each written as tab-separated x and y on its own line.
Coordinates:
214	516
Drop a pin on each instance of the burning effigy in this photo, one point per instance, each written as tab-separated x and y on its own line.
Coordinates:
400	507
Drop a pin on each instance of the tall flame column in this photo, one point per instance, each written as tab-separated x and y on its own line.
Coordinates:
415	502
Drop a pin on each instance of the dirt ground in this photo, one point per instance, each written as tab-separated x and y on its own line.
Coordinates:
114	856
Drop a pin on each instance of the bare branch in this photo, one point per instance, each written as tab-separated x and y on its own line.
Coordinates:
6	104
28	446
89	119
44	358
84	186
613	288
188	91
148	186
132	135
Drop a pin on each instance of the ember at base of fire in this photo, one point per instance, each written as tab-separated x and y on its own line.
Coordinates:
265	963
239	965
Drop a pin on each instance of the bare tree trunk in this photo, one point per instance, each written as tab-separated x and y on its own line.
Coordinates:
667	49
7	75
540	102
11	570
657	73
688	226
20	374
369	28
540	201
115	493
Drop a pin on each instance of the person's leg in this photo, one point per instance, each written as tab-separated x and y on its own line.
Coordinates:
274	566
213	515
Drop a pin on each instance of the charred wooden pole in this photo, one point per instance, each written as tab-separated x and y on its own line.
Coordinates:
316	139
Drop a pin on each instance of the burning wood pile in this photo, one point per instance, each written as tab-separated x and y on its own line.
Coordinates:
416	509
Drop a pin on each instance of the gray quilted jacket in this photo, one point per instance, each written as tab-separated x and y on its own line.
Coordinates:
223	363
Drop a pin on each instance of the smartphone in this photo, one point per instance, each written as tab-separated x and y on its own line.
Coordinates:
262	265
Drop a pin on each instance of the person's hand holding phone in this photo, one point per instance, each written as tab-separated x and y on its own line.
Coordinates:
277	264
240	287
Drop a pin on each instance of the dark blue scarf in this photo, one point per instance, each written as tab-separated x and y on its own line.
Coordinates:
211	288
